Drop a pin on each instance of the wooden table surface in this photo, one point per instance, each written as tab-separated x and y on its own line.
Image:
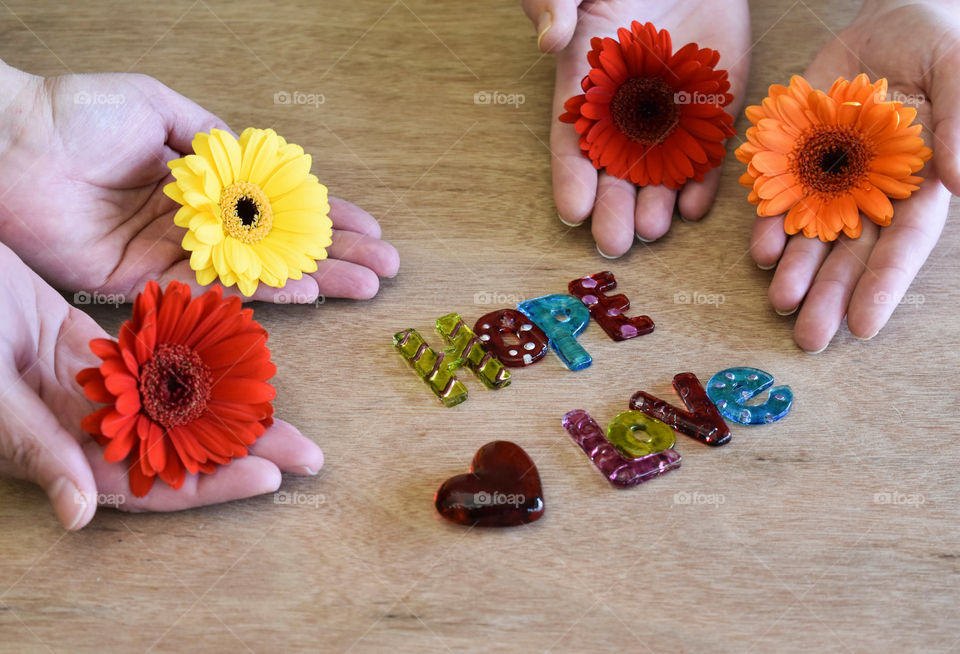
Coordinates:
834	530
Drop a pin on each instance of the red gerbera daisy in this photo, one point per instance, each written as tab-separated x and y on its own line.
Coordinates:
649	115
186	386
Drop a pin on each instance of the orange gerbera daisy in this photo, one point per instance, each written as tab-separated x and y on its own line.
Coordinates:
186	386
649	115
825	157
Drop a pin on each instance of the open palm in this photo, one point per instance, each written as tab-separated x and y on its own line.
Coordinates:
43	344
84	203
864	279
619	209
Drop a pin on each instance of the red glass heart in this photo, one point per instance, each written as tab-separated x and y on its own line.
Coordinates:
502	489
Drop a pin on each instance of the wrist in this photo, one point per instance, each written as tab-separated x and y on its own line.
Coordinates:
18	95
873	7
19	98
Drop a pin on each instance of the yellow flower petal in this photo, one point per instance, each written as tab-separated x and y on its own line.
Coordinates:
236	255
272	262
184	216
246	285
264	159
309	197
219	260
207	229
288	176
200	257
206	276
301	222
173	192
222	140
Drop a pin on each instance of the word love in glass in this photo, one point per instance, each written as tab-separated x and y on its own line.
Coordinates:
638	445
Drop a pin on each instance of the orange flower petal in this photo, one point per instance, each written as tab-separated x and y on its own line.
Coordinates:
770	187
781	202
846	207
890	186
773	163
776	140
792	111
874	204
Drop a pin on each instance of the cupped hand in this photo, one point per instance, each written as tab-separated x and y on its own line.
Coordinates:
81	182
44	342
916	47
619	209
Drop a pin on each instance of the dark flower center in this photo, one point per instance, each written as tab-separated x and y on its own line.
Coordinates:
247	211
831	160
174	385
645	110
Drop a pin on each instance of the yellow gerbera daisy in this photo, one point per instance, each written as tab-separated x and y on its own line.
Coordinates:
253	210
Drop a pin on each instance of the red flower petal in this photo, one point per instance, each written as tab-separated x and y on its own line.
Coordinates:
104	348
156	450
140	483
120	447
91	423
129	402
174	472
233	389
95	390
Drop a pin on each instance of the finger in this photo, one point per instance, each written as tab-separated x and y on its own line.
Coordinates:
337	278
242	478
945	94
294	291
554	20
800	263
900	251
696	198
654	212
333	278
613	216
767	241
826	303
574	176
35	446
379	256
350	217
288	449
155	172
182	117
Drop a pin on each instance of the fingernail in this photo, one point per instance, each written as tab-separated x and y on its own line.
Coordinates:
643	240
606	256
308	470
68	502
560	218
787	313
543	26
866	338
817	351
770	267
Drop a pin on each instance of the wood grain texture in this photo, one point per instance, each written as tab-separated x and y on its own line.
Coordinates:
798	557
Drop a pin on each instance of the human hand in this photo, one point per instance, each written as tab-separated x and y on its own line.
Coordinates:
44	342
620	210
914	45
82	175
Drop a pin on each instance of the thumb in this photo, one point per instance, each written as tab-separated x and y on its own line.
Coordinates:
554	20
35	445
183	117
